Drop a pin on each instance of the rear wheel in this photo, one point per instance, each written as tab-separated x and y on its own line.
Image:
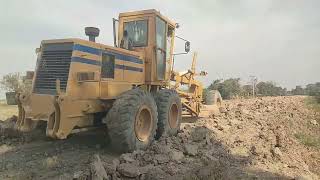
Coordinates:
169	112
132	121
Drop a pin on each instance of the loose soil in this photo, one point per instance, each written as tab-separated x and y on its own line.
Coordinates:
260	138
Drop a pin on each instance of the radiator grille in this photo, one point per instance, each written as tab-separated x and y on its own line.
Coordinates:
54	64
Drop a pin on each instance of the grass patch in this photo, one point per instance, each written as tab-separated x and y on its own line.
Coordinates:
313	103
307	140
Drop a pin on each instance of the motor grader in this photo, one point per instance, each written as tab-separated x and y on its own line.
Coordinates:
132	90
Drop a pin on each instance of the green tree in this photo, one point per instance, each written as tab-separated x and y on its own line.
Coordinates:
227	88
298	91
14	82
313	90
270	89
246	90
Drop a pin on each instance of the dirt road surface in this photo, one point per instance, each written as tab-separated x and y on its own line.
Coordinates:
261	138
7	111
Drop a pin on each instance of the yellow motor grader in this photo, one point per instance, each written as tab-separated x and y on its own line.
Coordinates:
130	87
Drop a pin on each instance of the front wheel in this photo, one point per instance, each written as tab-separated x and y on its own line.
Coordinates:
169	112
132	121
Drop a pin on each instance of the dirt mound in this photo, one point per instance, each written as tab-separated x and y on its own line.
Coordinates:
7	129
194	154
249	139
10	135
268	128
261	138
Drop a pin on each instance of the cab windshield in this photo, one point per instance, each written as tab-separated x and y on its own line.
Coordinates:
137	32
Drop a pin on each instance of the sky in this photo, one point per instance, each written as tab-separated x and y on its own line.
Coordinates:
274	40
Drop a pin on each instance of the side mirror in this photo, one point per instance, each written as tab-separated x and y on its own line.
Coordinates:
187	47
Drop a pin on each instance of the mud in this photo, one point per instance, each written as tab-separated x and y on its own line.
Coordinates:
246	139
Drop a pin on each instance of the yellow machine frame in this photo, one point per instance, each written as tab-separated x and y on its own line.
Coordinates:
78	101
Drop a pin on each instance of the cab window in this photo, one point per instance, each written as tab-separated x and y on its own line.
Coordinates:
137	32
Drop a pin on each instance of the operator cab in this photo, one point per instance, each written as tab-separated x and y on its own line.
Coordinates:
152	34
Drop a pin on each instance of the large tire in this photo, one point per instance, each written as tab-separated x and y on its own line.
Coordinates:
213	97
125	129
169	112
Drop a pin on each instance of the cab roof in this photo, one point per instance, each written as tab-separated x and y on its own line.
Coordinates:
148	11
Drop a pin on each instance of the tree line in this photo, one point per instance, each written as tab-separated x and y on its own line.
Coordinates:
231	88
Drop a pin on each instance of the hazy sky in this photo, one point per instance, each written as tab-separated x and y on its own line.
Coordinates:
276	40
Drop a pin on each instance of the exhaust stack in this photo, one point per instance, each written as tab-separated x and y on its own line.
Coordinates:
92	33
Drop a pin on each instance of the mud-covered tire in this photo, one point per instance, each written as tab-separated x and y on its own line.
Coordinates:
213	97
165	100
121	120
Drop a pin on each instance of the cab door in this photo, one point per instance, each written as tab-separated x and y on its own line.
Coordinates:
161	48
